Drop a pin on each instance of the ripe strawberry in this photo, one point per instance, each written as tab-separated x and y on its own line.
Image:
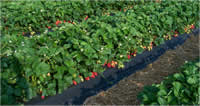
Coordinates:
113	62
92	76
23	33
108	65
113	65
192	26
129	56
87	78
175	35
64	21
69	21
176	32
132	54
74	82
40	92
185	29
86	17
49	27
58	22
95	73
105	64
42	97
144	47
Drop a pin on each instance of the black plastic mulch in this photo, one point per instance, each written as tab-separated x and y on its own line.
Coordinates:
77	94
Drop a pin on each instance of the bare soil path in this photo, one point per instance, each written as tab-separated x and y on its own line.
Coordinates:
125	92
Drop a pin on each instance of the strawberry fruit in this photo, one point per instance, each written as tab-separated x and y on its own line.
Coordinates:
74	82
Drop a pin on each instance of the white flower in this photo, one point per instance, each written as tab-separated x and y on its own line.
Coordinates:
45	32
10	41
81	50
102	48
125	37
41	10
22	43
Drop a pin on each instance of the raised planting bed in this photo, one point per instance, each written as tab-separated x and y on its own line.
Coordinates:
78	94
73	52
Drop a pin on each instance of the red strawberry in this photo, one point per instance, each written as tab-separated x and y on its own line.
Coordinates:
129	56
176	32
105	64
132	54
192	26
86	17
87	78
23	33
175	35
40	92
74	82
108	65
69	21
64	21
42	97
95	73
92	76
58	22
113	65
49	27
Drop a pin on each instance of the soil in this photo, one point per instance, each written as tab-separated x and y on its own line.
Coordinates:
125	92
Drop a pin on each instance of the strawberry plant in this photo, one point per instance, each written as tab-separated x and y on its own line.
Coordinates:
177	89
81	42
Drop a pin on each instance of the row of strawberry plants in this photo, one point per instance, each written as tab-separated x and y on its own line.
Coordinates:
35	16
75	52
178	89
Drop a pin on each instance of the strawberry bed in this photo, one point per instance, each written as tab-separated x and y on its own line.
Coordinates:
76	51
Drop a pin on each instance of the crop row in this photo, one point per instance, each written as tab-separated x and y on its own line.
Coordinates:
74	52
177	89
34	16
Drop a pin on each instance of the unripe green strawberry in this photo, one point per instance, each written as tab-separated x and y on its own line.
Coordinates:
82	80
74	75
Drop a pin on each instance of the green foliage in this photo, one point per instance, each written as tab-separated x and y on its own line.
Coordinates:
36	15
177	89
49	63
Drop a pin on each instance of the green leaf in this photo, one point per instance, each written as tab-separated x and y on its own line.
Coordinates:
192	80
162	101
162	92
177	86
179	76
